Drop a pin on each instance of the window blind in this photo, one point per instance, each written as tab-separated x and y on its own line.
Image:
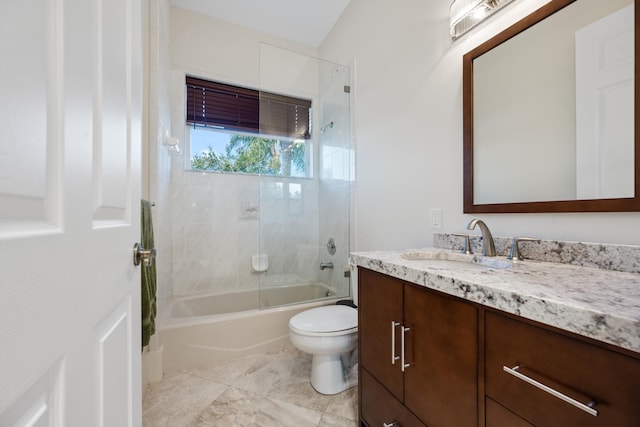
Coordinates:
242	109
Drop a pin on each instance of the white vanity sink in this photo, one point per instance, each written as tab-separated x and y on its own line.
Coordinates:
438	259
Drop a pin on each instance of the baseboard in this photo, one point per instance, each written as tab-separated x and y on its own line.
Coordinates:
151	367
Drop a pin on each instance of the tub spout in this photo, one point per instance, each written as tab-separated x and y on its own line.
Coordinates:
324	265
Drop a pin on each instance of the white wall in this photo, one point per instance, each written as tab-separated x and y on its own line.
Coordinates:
408	121
216	49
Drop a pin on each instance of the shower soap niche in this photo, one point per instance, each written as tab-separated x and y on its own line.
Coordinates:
260	263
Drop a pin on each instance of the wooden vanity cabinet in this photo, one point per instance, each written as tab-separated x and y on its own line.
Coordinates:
439	385
582	371
459	355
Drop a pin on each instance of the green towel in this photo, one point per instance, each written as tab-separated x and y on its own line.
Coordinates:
148	291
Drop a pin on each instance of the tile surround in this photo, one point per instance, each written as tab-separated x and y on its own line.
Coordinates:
268	389
213	238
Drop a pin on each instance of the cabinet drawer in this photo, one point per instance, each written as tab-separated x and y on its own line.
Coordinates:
499	416
379	406
570	367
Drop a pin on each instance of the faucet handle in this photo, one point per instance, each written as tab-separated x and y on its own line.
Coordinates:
514	253
467	242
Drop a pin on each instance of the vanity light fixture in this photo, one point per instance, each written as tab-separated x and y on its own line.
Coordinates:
466	14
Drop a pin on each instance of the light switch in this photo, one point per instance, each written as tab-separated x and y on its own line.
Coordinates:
436	219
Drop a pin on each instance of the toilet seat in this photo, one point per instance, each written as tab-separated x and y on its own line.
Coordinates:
330	320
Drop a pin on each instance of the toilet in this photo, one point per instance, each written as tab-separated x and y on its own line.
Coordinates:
330	334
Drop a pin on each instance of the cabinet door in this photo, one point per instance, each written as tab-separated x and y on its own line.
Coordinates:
441	385
380	304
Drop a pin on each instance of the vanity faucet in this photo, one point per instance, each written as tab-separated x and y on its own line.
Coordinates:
488	247
514	253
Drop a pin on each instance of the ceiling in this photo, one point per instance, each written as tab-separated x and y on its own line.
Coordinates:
303	21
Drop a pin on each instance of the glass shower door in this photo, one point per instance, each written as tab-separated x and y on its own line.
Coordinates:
304	217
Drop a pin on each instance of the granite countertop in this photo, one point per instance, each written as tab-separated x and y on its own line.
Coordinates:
595	303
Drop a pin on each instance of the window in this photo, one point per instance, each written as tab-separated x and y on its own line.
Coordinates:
241	130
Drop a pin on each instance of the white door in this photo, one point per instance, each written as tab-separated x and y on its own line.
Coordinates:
70	135
604	107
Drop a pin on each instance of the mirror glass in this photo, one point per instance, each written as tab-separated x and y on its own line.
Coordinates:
549	112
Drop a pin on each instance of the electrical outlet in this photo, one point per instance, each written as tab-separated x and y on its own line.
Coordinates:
436	219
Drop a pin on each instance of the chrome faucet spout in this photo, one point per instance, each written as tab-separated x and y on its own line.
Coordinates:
324	265
488	247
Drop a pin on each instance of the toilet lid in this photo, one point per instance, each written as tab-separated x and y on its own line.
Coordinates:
329	318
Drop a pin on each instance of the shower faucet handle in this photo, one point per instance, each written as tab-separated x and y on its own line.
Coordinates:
331	246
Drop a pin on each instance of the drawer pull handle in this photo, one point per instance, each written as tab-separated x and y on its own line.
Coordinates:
393	342
391	424
588	408
403	365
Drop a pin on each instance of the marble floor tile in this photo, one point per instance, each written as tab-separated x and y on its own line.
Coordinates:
229	371
285	377
177	399
268	389
344	405
242	408
329	420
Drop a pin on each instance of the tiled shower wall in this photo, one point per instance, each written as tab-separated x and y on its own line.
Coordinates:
219	221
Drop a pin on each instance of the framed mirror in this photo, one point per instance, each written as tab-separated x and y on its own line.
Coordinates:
550	112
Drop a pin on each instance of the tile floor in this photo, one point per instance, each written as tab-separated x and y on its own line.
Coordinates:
268	389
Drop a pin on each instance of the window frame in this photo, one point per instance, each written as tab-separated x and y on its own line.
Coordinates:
264	101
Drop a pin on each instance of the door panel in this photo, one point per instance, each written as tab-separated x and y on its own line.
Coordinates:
70	136
605	107
110	153
40	405
29	159
111	337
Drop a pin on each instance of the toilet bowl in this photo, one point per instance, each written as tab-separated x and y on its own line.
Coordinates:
330	335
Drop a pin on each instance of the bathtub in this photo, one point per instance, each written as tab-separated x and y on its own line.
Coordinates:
198	331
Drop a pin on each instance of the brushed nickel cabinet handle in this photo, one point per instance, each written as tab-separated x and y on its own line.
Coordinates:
391	424
393	342
403	365
588	407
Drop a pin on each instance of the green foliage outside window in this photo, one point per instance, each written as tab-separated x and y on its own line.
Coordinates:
255	155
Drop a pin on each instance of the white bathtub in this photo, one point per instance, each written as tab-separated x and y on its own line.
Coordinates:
198	331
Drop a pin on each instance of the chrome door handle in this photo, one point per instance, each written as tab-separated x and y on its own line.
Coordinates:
393	343
142	254
403	365
588	408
